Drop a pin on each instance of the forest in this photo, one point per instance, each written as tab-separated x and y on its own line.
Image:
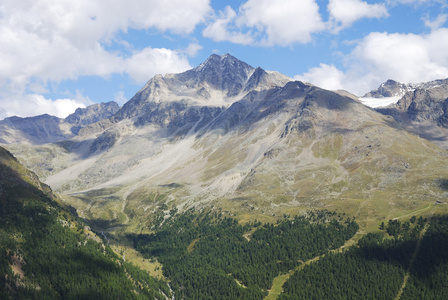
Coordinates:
375	268
207	256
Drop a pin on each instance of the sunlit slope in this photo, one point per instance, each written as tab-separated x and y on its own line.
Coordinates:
273	152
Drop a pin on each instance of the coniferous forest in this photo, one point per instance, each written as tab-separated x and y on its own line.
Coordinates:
377	266
209	257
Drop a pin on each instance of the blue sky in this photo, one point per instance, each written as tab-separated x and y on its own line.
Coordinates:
56	55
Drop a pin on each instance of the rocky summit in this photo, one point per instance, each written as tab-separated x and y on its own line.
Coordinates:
422	109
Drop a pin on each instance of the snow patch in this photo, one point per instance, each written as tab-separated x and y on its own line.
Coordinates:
379	102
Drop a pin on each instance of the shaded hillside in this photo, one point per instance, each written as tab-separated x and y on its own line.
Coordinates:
47	254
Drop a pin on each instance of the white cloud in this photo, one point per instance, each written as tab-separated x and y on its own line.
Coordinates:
437	23
343	13
36	36
120	98
395	2
406	58
192	49
45	41
267	23
403	57
38	105
149	62
283	21
325	76
223	29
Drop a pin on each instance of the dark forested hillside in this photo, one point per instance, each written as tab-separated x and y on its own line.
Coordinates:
45	253
377	267
210	257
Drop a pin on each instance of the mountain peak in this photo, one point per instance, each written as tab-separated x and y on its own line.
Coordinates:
222	63
222	72
219	81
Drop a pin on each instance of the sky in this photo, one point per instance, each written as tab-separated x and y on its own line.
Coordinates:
57	55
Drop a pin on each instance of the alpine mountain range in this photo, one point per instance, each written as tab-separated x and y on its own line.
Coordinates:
250	141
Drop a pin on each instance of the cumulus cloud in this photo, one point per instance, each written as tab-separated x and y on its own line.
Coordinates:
283	21
223	28
325	76
45	41
381	56
267	23
120	98
395	2
35	104
343	13
149	62
192	49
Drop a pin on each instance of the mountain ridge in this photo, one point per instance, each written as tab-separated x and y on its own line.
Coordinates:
422	109
272	148
44	129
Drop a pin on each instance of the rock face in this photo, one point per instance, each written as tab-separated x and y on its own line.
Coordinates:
91	114
45	129
423	110
218	82
390	88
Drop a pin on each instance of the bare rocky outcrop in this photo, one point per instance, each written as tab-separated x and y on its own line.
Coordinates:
91	114
423	110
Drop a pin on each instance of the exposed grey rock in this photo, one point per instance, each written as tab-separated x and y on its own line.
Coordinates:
193	98
390	88
427	102
225	73
91	114
424	111
105	141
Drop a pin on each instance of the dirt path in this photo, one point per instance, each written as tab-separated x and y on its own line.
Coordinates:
411	262
412	213
125	202
277	284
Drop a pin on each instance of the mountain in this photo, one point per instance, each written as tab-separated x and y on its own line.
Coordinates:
423	110
46	253
91	114
45	129
33	130
250	142
391	88
206	89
